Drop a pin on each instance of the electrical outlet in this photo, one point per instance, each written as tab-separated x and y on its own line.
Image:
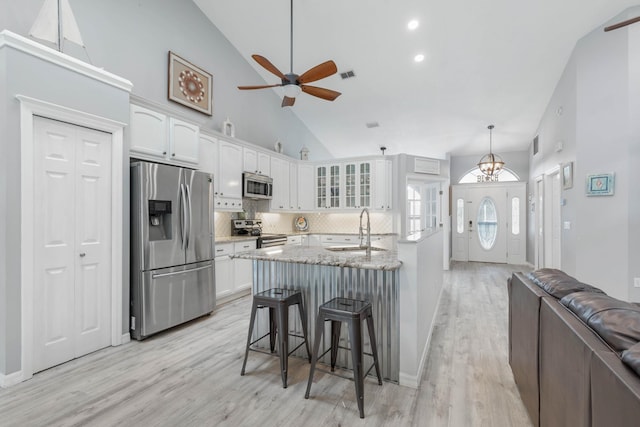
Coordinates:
636	282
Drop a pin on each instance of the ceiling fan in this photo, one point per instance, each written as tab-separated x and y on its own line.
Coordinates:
294	83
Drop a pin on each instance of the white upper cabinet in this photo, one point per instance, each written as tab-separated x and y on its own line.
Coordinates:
305	187
256	161
357	185
228	195
293	187
148	132
383	184
183	141
208	155
155	136
280	175
329	187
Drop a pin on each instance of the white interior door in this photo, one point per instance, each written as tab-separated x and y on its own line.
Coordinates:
487	219
72	310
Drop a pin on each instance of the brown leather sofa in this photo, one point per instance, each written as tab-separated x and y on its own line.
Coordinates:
573	351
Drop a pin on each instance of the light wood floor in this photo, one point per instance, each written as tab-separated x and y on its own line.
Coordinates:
190	376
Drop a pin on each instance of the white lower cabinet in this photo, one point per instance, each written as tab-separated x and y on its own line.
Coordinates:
243	268
224	270
233	276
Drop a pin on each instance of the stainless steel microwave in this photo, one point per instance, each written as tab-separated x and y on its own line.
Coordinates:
257	186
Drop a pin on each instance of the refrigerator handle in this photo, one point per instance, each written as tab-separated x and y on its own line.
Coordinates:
188	188
183	217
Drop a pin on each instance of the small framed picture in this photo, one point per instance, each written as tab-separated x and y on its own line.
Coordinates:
567	175
190	85
601	184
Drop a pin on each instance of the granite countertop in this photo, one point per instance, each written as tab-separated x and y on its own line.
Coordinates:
379	260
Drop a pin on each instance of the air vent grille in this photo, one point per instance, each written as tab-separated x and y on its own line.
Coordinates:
430	166
373	125
347	74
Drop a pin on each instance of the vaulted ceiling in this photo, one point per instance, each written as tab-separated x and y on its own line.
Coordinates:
490	62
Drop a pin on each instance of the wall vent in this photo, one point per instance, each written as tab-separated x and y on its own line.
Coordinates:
430	166
372	125
347	74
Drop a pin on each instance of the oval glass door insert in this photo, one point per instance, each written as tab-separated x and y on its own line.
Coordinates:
487	223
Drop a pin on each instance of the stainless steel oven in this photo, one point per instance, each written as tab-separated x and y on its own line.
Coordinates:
270	240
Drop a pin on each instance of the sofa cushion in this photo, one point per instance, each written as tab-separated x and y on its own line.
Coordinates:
631	357
618	327
586	304
558	284
617	322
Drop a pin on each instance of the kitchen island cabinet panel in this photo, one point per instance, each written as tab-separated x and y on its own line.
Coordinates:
319	284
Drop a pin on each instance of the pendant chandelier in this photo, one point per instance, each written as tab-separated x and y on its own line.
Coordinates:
490	164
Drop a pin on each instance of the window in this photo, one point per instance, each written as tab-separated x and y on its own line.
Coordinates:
422	206
474	175
487	223
515	216
414	209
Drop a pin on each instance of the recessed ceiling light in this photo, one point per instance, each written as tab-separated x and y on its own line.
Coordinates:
419	57
413	24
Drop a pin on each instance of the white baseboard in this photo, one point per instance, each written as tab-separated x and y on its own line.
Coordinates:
11	379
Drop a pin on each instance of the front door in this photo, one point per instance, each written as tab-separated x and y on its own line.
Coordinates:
489	223
72	293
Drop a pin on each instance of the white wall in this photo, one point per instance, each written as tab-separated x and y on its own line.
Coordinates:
600	102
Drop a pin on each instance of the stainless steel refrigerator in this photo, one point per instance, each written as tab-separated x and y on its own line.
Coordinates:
172	267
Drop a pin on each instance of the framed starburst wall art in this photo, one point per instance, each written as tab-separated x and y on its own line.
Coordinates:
190	85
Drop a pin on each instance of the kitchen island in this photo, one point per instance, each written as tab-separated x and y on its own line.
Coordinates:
403	286
322	274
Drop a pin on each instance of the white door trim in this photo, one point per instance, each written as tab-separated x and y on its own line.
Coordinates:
28	108
538	220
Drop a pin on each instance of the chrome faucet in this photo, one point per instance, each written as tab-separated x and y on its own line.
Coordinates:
361	234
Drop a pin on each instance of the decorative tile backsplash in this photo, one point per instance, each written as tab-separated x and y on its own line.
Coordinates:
318	222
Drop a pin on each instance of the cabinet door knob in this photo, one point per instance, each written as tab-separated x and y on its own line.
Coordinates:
173	154
164	153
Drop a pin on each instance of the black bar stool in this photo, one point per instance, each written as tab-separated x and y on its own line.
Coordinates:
278	301
353	312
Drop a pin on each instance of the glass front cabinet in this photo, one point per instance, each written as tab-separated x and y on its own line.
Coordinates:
344	186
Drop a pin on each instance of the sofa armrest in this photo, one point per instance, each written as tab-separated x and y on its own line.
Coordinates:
524	312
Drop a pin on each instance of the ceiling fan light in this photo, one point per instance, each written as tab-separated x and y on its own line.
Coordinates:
291	90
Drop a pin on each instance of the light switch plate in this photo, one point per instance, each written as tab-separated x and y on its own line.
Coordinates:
567	225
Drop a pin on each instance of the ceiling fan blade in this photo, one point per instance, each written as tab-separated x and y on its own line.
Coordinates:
257	87
288	102
319	72
622	24
320	92
267	65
